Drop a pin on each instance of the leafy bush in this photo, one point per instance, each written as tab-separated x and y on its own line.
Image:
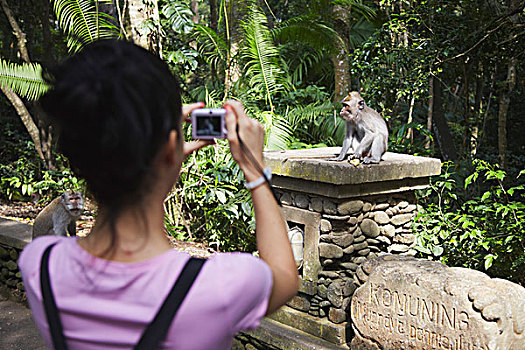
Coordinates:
210	202
22	178
476	222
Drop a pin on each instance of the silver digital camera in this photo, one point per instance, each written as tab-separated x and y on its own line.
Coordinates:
208	123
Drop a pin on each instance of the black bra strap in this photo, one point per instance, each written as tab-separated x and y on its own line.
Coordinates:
50	306
156	331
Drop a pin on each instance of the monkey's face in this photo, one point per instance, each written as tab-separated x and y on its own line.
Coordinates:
74	202
353	104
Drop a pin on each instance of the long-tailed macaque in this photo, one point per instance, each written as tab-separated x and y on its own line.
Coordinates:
366	130
59	217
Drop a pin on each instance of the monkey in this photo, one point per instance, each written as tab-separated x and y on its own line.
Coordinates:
59	217
366	130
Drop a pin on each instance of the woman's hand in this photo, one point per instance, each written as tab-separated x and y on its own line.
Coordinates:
252	134
191	146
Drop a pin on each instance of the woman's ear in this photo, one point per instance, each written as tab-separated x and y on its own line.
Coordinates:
172	147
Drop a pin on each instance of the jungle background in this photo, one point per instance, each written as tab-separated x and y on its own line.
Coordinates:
448	76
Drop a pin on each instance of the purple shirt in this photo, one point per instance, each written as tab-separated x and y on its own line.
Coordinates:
107	305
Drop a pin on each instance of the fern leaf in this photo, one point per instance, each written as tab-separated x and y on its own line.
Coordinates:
24	79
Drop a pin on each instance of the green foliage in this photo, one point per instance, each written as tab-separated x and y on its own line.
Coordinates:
24	79
262	64
22	178
83	22
210	202
475	221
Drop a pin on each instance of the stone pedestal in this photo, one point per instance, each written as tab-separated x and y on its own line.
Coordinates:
348	215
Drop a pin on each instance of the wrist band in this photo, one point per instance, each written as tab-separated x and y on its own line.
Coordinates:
267	174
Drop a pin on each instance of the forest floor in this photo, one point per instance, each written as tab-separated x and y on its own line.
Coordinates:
26	212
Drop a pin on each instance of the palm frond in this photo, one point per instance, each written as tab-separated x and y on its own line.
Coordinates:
308	30
278	130
83	22
262	55
211	45
24	79
360	30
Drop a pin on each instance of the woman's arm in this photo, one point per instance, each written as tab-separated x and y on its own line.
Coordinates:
272	240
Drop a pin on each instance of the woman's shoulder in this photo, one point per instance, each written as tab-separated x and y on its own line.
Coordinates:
237	261
32	252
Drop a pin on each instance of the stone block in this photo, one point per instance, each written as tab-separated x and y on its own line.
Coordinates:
405	238
317	204
327	250
13	254
342	240
299	303
336	315
326	226
327	262
382	206
349	266
409	209
401	219
381	217
366	207
11	265
398	248
3	253
350	207
329	207
388	231
286	199
409	303
334	293
359	246
384	240
364	252
369	228
349	288
301	201
349	250
321	290
402	204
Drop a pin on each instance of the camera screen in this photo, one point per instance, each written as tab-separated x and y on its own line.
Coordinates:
208	126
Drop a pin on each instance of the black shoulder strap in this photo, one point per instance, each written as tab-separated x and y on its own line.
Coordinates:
50	306
156	331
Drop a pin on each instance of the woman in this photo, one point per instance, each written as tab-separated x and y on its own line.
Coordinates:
119	112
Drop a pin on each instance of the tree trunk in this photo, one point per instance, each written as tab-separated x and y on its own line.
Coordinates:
43	150
214	18
195	9
342	79
20	35
430	109
504	102
410	132
26	118
235	13
121	12
441	129
139	13
474	136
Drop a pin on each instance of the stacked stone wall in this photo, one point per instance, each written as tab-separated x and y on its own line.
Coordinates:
10	276
352	231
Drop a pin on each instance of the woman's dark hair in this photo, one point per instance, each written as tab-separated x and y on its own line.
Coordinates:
115	104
